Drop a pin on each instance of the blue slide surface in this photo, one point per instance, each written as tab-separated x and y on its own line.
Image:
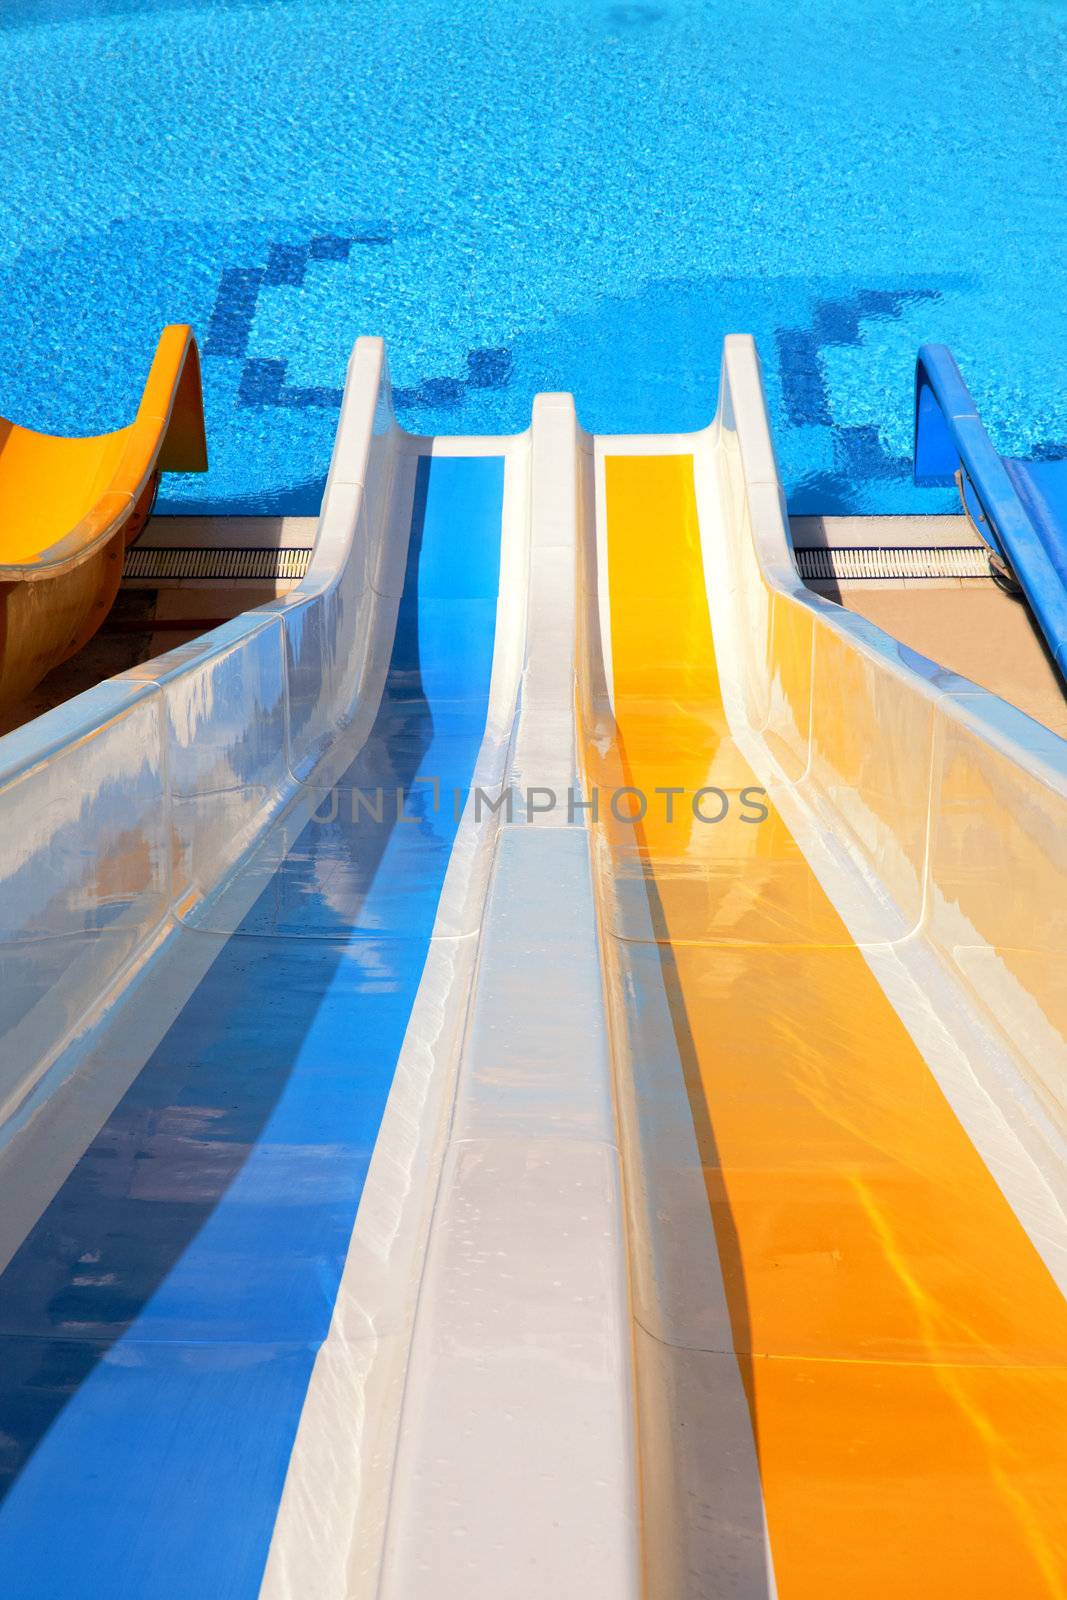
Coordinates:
160	1322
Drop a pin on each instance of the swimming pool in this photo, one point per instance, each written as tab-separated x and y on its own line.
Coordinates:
575	194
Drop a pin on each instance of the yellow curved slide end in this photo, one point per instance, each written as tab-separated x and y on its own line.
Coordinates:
900	1340
69	507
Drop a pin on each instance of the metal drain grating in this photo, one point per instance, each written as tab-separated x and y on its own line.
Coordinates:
290	564
957	561
147	562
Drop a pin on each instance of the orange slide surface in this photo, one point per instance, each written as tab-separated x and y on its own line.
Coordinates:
900	1340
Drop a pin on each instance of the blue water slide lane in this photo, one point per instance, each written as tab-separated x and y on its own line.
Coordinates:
1019	506
160	1322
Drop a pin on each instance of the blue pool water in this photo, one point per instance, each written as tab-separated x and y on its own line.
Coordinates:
537	194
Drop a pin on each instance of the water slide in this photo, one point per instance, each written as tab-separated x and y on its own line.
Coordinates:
1018	508
72	505
534	1064
839	1039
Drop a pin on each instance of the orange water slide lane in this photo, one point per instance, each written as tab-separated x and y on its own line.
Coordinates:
902	1344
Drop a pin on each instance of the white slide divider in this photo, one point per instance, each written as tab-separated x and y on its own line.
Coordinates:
517	1472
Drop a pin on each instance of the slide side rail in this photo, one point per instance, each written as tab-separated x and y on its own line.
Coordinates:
127	806
953	802
950	439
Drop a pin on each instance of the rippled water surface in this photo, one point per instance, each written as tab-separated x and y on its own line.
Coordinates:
565	194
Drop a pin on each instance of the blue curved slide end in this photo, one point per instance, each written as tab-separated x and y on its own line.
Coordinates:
159	1323
1020	506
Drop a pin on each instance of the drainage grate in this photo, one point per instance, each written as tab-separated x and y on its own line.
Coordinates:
145	562
958	561
287	565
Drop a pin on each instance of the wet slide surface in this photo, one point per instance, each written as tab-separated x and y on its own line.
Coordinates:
159	1324
900	1341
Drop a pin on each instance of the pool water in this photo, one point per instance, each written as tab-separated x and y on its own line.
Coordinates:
567	194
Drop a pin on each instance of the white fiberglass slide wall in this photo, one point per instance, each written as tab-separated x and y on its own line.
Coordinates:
947	807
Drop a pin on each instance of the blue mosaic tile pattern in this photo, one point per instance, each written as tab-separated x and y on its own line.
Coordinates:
573	195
